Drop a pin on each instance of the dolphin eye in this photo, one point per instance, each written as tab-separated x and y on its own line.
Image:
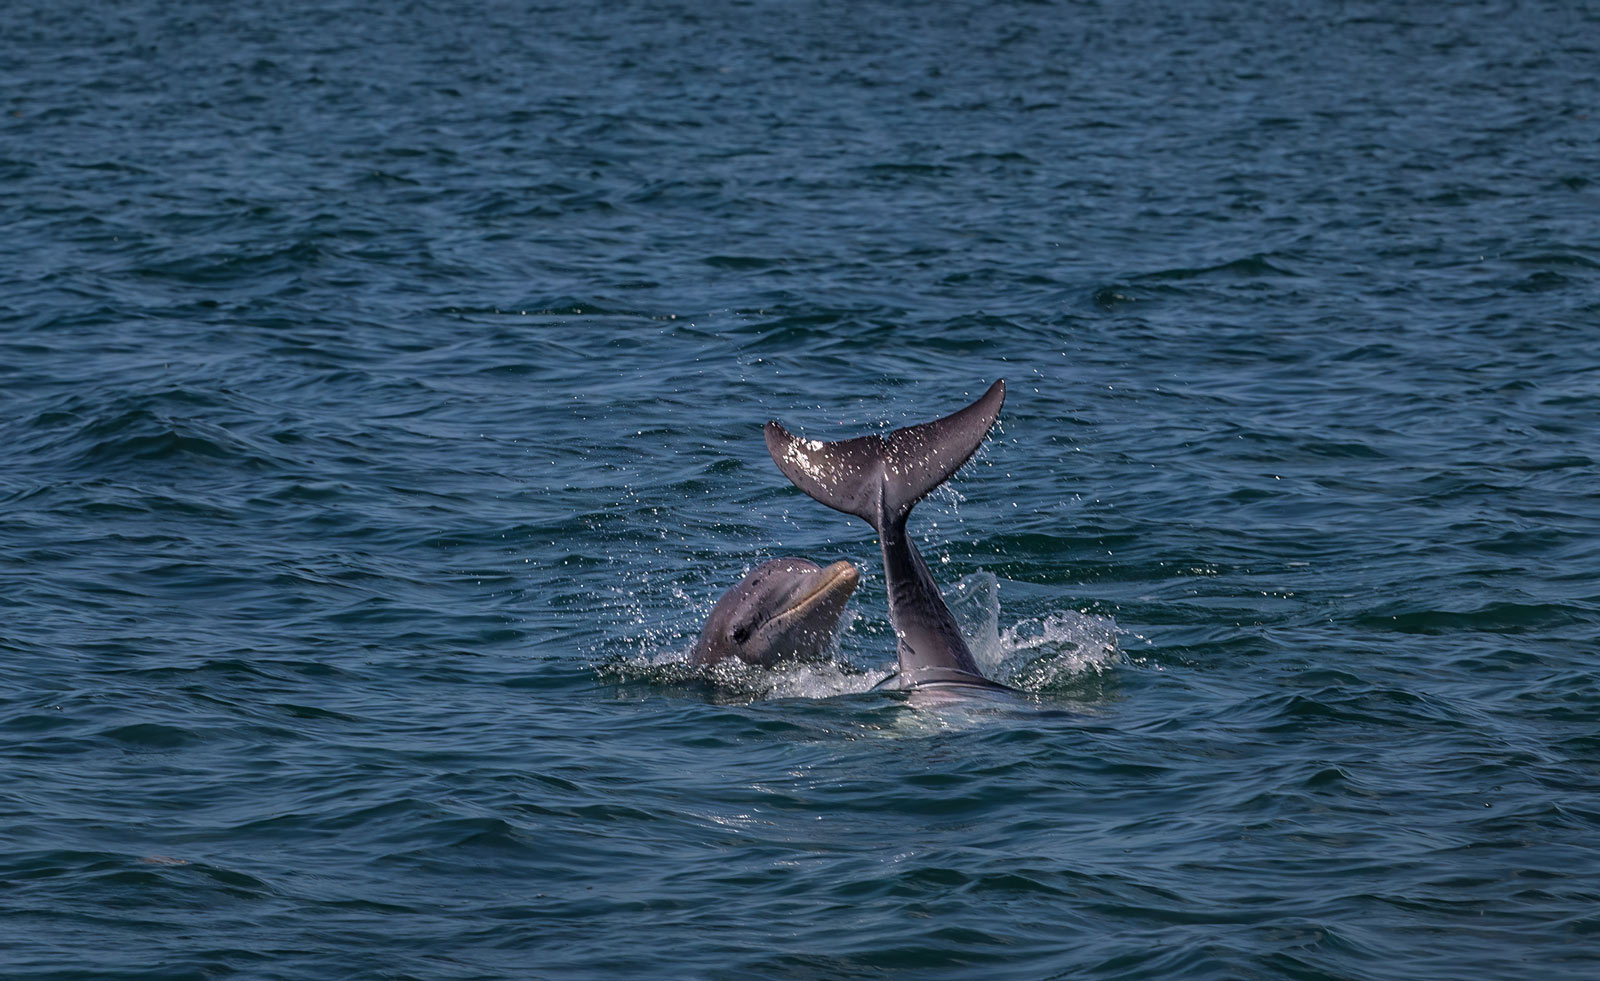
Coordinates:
741	634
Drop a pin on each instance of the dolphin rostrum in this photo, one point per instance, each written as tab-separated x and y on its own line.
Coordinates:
785	609
880	480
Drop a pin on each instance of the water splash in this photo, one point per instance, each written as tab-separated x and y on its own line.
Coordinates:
734	681
1038	654
1042	654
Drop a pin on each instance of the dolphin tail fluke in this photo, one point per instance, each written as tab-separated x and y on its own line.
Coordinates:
879	479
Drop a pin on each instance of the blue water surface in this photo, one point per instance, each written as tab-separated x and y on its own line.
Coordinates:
381	391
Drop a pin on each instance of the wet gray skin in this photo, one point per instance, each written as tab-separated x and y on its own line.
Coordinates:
787	609
880	479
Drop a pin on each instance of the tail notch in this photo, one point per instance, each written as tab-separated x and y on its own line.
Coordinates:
880	480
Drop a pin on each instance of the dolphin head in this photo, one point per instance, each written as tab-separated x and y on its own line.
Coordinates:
785	609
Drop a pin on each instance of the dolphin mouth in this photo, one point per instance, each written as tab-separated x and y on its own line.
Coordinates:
832	586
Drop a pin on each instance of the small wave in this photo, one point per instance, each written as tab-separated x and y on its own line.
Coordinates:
158	427
244	267
1247	267
151	736
1499	617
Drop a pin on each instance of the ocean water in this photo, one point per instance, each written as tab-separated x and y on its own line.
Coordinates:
381	391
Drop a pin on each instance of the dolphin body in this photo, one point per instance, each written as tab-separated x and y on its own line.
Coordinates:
880	480
785	609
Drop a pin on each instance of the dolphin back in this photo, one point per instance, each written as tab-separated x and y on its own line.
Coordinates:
878	479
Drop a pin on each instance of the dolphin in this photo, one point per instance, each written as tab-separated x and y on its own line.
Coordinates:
785	609
880	480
